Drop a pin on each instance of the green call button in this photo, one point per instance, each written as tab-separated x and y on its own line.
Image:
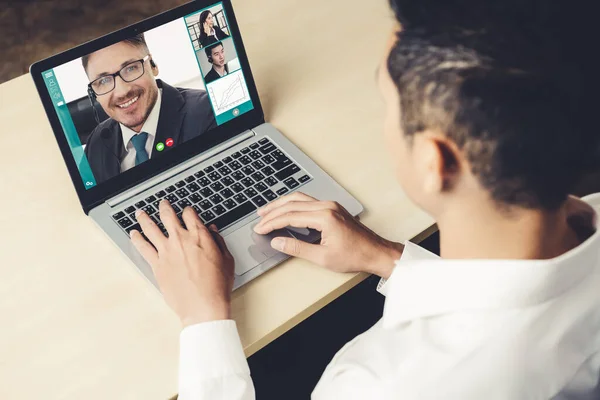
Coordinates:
160	146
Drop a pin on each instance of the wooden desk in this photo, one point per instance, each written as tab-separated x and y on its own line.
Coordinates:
78	322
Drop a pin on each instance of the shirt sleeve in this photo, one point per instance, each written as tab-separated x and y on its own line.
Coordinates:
212	364
411	252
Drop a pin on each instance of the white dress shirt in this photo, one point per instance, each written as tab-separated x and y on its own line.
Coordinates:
451	329
150	127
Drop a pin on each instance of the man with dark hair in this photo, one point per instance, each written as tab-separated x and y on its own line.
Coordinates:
216	56
486	137
143	110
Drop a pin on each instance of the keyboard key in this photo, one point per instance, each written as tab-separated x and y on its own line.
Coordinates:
206	192
281	163
209	169
248	170
267	171
190	179
271	181
140	204
204	181
245	150
263	141
291	183
235	165
234	215
137	227
172	198
180	184
226	193
257	176
118	215
282	191
266	149
214	176
207	216
195	198
149	199
245	160
269	195
227	160
237	187
219	210
250	192
199	174
218	164
259	201
156	204
304	178
238	175
236	154
132	217
217	186
170	189
184	203
247	182
255	155
227	181
224	171
182	193
193	187
287	172
268	159
258	164
155	219
205	204
197	208
229	203
216	199
125	222
254	146
260	187
240	198
176	208
160	194
149	209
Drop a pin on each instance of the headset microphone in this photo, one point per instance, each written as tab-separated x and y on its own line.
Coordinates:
92	97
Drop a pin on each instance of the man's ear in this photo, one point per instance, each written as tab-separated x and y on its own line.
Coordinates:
154	66
441	162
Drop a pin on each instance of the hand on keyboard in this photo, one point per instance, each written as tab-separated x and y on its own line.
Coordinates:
192	266
346	244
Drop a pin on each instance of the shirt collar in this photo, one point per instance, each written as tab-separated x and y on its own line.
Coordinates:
420	288
150	126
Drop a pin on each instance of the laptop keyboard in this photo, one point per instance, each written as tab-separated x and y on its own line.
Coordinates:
226	191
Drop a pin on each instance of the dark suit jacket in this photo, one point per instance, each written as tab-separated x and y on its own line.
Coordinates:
184	115
208	40
212	76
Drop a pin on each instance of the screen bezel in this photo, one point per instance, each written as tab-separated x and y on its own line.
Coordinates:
92	197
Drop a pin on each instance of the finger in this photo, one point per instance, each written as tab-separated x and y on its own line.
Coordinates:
296	196
220	241
294	206
296	219
191	220
298	248
145	249
169	218
150	229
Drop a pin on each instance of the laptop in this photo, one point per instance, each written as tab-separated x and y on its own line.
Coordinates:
168	109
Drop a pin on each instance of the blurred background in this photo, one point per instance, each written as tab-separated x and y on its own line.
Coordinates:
34	29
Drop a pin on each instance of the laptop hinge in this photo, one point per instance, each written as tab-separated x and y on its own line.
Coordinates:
134	191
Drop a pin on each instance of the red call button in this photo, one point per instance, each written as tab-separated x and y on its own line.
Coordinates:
169	142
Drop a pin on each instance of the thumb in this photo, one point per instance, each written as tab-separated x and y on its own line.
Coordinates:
298	248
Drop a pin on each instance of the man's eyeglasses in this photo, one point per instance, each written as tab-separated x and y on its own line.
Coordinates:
129	73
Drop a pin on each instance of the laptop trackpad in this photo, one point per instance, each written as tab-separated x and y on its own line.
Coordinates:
249	248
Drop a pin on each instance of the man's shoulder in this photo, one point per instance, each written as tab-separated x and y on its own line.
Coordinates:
194	96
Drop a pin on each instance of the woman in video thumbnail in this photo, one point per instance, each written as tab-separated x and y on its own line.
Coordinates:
209	31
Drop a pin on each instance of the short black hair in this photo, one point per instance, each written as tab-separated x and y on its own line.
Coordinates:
208	49
135	41
493	79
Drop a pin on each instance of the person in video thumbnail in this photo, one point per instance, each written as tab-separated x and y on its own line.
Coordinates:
216	56
209	31
142	110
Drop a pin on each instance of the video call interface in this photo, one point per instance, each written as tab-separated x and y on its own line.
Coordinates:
137	99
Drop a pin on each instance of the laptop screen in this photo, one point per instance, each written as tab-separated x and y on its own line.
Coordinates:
133	101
